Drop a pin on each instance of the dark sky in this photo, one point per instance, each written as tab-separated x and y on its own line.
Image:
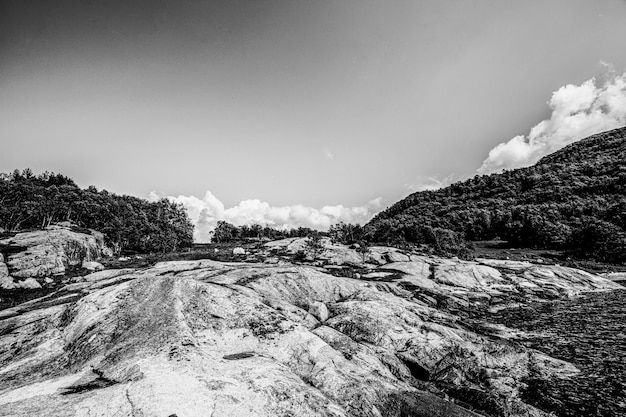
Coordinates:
291	102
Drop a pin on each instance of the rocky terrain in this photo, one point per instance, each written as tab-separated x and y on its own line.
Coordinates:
30	259
342	332
588	331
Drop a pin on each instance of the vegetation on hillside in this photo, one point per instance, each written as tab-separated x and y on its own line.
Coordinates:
130	224
574	199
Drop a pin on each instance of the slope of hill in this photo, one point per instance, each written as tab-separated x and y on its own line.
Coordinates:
572	199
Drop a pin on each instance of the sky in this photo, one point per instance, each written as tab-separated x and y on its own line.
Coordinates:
301	112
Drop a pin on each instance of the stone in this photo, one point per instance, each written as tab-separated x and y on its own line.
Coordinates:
319	311
29	284
239	251
50	252
92	266
7	282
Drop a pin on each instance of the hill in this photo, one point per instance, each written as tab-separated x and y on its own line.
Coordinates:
29	201
573	199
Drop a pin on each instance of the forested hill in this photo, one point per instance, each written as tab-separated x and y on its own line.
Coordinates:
572	199
29	201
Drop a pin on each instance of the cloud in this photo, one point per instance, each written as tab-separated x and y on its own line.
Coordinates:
431	183
206	212
578	111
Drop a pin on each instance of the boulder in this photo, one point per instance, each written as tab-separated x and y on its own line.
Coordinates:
29	284
49	252
239	251
7	282
92	265
319	311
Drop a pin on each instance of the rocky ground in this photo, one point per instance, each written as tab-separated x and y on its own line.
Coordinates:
589	332
340	333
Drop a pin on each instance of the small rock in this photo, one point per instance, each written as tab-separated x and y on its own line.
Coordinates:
319	310
92	266
7	283
29	284
48	280
239	251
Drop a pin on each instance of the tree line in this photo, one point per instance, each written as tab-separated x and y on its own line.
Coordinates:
130	224
226	232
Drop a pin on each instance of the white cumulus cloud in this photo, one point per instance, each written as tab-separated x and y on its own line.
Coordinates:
206	212
578	111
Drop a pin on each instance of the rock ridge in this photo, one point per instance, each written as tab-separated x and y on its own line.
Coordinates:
234	339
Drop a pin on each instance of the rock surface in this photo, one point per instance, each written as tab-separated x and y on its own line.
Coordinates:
92	266
48	252
198	338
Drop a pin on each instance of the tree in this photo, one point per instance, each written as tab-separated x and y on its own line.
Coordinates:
224	232
314	245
